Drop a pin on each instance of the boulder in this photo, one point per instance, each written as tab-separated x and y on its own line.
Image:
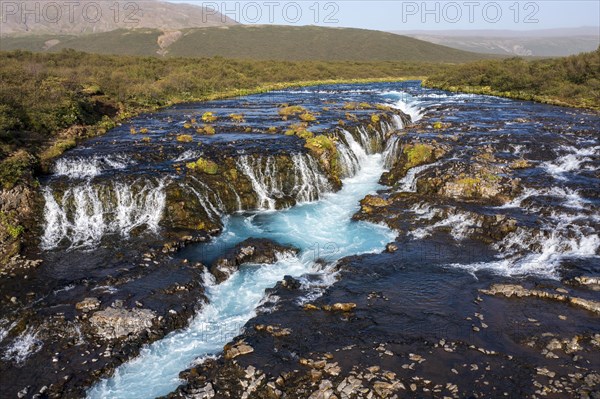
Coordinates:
88	304
472	182
238	349
112	323
252	250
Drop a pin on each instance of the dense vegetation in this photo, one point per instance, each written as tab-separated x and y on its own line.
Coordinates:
573	81
294	43
48	101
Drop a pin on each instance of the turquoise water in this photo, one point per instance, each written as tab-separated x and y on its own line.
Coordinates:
322	229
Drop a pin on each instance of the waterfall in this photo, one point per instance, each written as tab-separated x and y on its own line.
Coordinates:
203	193
309	182
398	123
84	213
270	183
80	167
409	182
348	160
358	151
322	229
390	153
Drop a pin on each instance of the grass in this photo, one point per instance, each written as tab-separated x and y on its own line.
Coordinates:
569	81
50	101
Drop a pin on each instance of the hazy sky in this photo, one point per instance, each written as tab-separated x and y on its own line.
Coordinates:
411	15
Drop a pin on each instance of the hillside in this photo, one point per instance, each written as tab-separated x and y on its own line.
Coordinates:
573	81
87	17
537	43
293	43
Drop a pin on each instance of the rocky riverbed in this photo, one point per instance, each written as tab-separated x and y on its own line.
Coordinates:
489	289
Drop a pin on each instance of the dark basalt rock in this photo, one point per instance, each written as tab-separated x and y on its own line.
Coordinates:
252	250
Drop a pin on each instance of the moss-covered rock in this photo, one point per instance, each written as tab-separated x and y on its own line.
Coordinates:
323	148
208	117
413	155
208	130
471	182
287	111
184	138
203	165
237	118
371	202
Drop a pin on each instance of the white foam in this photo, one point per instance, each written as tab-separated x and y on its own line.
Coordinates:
22	347
81	167
571	161
188	155
517	259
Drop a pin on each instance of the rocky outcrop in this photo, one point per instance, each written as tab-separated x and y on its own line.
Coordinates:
116	323
17	211
238	349
252	250
371	203
469	182
510	290
592	283
413	154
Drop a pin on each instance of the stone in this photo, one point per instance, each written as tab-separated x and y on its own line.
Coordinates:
325	391
88	304
113	323
238	349
310	306
252	250
592	283
340	307
391	248
510	290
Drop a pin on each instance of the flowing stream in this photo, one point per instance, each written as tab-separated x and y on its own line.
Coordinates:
322	230
127	192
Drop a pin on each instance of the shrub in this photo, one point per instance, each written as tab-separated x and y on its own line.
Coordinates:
13	168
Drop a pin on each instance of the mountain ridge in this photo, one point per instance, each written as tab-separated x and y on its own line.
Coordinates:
261	42
47	17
